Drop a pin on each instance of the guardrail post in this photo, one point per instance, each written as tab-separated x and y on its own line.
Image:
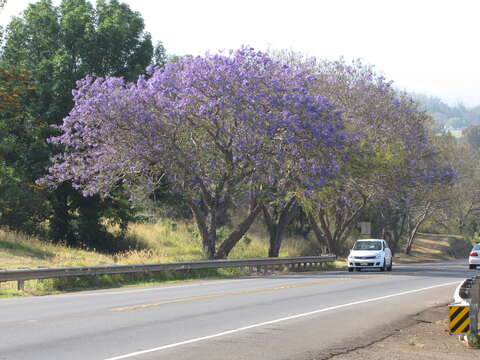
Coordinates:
473	338
21	285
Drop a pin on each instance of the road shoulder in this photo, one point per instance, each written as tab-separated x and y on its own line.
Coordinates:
426	338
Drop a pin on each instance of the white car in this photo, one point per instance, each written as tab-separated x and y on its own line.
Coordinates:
474	258
370	253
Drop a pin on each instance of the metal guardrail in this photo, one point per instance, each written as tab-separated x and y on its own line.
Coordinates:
467	295
21	275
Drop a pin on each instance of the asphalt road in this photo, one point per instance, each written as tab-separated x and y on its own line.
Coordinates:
300	316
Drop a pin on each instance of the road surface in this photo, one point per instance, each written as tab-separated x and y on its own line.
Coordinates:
299	316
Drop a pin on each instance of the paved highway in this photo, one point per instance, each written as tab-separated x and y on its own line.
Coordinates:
299	316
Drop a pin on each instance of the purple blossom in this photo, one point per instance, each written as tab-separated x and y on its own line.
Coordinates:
218	123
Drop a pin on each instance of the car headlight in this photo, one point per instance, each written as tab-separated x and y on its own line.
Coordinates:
379	256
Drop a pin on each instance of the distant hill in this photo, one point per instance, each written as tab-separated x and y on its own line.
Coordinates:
448	117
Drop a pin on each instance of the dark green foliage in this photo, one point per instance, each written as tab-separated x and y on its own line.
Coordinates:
159	55
22	204
168	204
57	46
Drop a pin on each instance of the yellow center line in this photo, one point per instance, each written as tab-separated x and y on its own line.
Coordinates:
229	293
374	276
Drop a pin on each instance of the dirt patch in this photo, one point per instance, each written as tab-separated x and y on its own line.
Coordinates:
427	339
435	247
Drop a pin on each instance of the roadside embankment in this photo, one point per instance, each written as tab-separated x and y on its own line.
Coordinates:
427	339
435	247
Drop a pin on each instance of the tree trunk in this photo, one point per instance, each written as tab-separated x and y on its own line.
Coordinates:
277	227
209	246
61	229
229	243
344	224
414	231
397	234
318	233
275	241
209	237
463	218
90	230
328	236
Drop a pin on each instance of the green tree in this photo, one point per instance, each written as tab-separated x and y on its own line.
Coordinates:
59	45
160	55
22	204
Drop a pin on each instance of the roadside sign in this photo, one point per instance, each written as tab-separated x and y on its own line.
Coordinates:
459	319
365	228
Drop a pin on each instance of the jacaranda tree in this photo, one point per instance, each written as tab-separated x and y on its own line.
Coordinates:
218	128
393	142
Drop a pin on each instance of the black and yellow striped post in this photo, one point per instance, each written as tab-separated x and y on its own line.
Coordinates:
459	319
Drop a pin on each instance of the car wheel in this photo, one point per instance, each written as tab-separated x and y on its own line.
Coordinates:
358	269
350	269
473	266
390	267
384	267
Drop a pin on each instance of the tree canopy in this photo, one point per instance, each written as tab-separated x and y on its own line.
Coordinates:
218	127
56	46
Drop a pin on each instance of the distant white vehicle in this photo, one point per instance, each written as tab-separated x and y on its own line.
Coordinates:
370	253
474	258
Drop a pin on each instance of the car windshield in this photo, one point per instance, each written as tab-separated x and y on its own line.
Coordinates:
476	247
367	245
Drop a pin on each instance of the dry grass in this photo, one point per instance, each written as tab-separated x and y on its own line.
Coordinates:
180	241
171	241
20	251
165	241
439	247
17	251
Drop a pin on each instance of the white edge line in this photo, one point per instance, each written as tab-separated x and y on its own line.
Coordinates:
228	332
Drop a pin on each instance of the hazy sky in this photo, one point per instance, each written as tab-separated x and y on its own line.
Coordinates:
428	46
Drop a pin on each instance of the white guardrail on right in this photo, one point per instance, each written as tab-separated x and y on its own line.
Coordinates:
463	312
